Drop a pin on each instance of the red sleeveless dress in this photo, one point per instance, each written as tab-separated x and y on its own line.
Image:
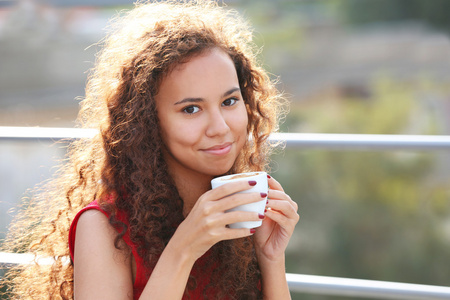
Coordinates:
202	276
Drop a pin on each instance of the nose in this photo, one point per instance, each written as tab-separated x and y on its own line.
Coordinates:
217	124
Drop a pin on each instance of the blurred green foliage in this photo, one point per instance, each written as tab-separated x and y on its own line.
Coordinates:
369	215
433	13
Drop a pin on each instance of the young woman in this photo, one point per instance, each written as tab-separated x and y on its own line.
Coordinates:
178	98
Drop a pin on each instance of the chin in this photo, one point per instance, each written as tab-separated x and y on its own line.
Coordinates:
220	170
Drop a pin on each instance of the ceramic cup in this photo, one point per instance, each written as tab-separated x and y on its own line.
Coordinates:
260	187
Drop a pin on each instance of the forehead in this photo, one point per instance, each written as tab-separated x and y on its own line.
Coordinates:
201	76
200	60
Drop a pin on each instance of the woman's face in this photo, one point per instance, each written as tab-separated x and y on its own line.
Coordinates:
203	118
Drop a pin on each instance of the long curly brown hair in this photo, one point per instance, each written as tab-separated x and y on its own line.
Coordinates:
125	159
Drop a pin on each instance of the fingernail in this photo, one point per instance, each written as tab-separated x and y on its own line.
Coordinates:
252	182
265	210
252	231
261	216
267	202
263	195
268	176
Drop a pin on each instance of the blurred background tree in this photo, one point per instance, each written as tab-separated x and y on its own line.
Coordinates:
433	13
369	215
348	66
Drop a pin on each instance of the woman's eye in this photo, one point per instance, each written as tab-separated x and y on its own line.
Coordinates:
191	109
229	102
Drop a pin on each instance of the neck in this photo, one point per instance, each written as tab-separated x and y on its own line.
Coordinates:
190	184
190	188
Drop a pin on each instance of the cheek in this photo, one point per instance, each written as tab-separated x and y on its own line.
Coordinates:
163	130
176	136
169	133
240	121
181	134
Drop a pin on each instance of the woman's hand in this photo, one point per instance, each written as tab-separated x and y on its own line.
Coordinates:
206	224
272	237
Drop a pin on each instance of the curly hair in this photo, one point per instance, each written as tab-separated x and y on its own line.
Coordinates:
125	158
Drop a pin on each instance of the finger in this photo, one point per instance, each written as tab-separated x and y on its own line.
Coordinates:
285	221
284	207
235	233
221	220
273	184
231	188
239	216
282	220
279	195
237	199
217	230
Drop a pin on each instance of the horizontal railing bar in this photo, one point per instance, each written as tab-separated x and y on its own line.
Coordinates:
311	284
51	133
348	287
292	140
11	259
363	141
297	282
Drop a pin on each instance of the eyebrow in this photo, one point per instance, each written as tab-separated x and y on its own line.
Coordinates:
196	100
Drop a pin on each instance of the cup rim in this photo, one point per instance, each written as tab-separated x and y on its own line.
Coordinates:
225	177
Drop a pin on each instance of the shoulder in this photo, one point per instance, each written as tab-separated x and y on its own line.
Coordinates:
99	267
92	217
94	223
95	235
94	232
86	212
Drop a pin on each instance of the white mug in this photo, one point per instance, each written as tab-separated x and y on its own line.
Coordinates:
260	187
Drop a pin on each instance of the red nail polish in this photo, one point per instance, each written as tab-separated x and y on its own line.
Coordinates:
265	210
261	216
252	231
268	176
263	195
252	182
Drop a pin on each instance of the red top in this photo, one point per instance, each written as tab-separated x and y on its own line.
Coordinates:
202	276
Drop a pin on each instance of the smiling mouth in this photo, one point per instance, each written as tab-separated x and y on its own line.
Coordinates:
219	149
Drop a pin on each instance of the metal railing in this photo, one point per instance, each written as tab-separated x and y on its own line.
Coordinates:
348	287
311	284
297	282
294	140
364	141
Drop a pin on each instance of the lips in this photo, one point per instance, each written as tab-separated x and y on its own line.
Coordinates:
218	149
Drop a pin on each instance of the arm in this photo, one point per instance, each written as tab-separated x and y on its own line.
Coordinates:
204	226
103	272
271	240
274	279
98	264
170	276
